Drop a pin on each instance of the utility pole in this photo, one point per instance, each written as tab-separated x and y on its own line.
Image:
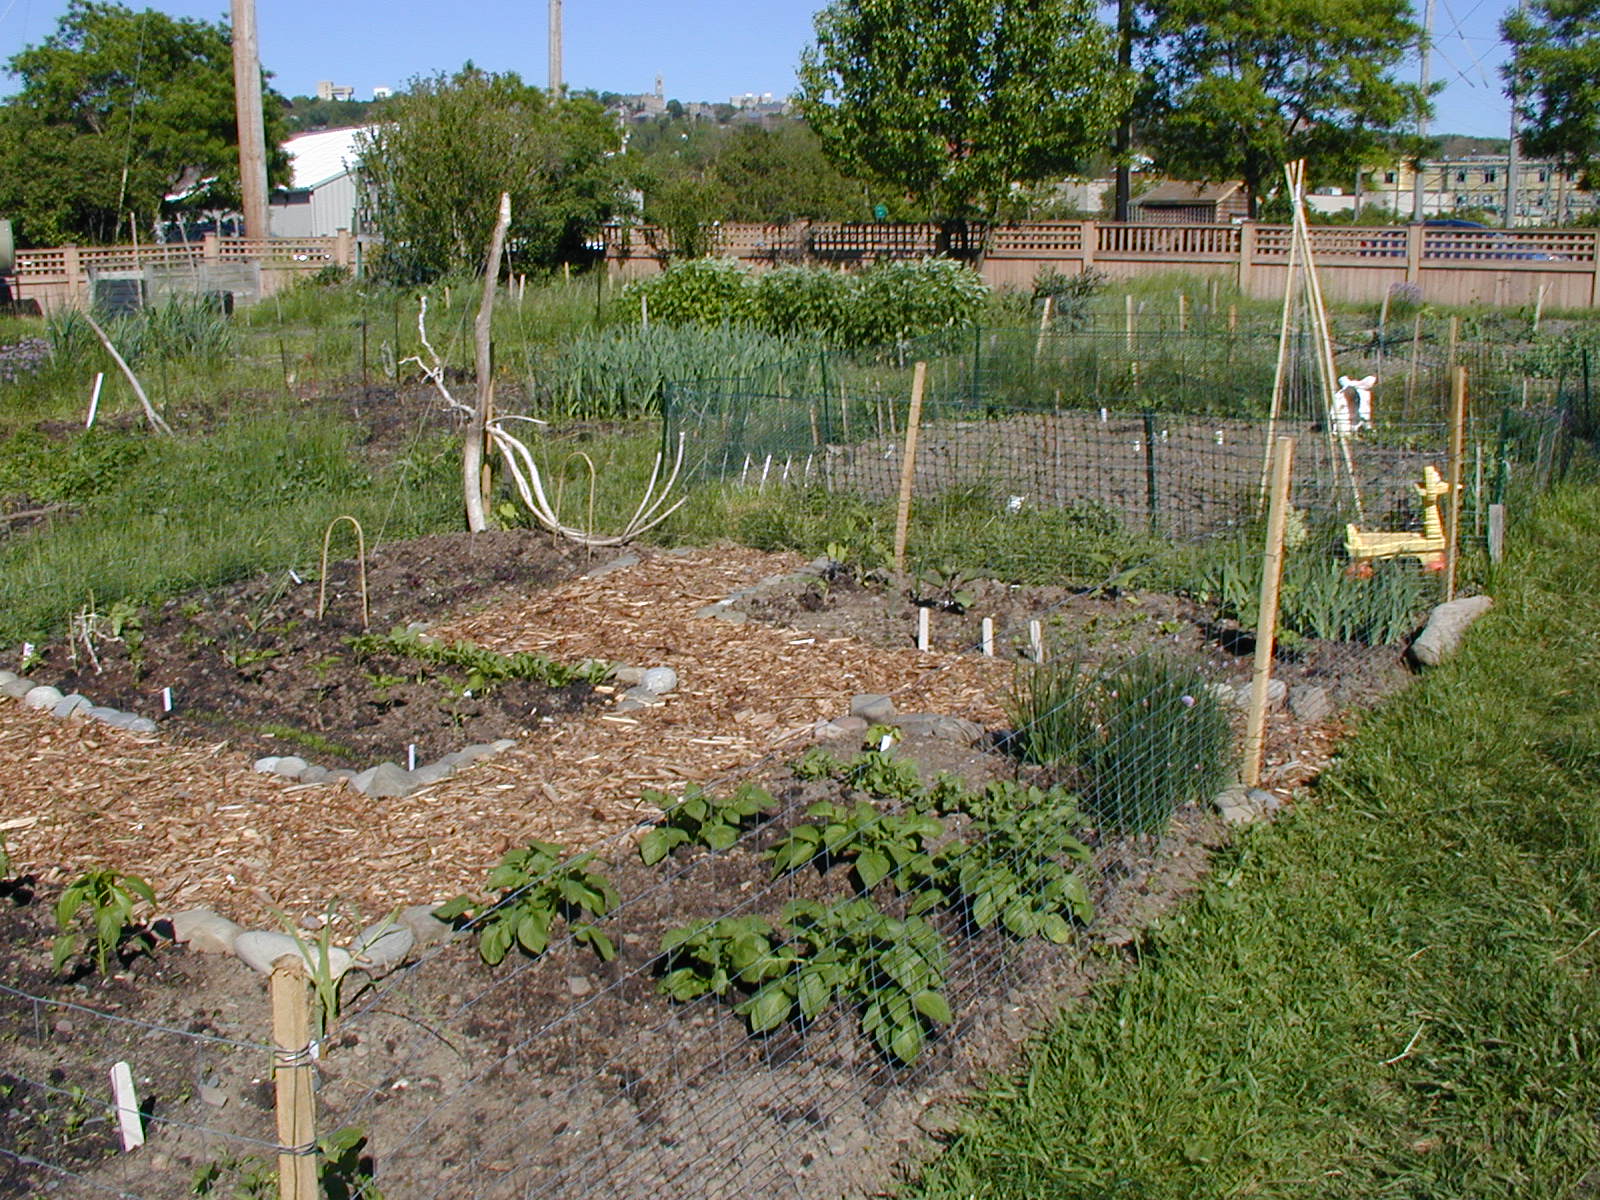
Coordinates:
556	81
1511	148
1124	199
247	109
1418	202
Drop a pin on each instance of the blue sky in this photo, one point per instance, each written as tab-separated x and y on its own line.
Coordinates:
705	49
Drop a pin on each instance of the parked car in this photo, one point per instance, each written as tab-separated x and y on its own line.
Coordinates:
1498	247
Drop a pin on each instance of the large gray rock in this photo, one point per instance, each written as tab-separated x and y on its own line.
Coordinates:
258	950
382	946
137	724
1447	625
203	931
643	696
660	680
430	773
71	704
8	677
101	713
872	708
1310	703
936	725
43	696
426	929
315	774
1277	694
17	687
384	780
621	563
628	676
1243	805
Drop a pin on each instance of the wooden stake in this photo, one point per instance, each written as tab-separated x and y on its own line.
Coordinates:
1183	313
908	466
1458	442
1036	641
1044	326
1267	627
1497	532
844	412
296	1100
1538	308
1127	306
473	461
1455	335
150	414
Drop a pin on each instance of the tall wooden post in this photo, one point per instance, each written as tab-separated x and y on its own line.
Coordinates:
1458	447
247	109
472	456
908	468
1267	624
296	1099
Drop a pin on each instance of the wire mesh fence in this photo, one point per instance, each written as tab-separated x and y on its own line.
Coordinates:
787	1001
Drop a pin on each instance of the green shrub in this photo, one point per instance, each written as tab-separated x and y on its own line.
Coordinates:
805	302
896	301
1138	742
699	291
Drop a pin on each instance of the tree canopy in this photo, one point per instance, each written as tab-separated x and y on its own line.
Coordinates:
953	101
1237	90
1555	73
451	145
117	110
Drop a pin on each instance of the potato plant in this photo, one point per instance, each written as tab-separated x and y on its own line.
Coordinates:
878	845
539	887
698	817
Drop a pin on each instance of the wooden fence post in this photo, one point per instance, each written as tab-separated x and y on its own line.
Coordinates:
908	467
1267	622
296	1100
1458	443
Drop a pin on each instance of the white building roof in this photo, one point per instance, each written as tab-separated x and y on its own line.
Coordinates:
315	158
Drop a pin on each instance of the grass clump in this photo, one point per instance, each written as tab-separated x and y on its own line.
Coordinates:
1138	742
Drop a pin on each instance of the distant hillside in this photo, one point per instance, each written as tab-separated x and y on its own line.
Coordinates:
1459	145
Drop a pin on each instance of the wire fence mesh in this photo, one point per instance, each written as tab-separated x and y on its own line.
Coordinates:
794	1003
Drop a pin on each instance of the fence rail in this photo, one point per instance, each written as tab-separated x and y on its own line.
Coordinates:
1558	268
61	276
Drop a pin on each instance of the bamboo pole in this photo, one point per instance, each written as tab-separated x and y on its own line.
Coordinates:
1280	377
1044	327
1458	441
1267	625
908	467
295	1097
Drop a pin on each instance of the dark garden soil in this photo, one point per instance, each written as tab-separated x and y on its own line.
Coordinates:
254	665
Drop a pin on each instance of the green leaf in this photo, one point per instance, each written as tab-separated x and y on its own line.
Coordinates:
719	837
906	1042
454	910
533	931
495	941
65	946
813	994
873	867
1055	929
598	941
658	843
933	1006
768	1008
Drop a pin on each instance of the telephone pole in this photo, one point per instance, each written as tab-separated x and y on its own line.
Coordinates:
1512	149
1124	146
247	109
555	49
1418	203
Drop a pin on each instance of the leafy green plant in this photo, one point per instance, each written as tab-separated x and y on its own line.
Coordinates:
107	898
345	1170
1012	868
538	888
485	669
852	954
879	845
702	818
817	763
945	588
885	775
1140	741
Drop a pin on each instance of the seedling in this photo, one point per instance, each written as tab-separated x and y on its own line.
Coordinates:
108	898
538	886
701	818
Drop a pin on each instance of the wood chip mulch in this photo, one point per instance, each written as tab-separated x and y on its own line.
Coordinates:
206	830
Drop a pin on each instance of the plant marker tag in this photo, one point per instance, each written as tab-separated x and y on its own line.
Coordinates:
885	742
1102	416
166	699
988	637
129	1124
27	652
411	757
1036	641
294	576
766	469
922	630
94	399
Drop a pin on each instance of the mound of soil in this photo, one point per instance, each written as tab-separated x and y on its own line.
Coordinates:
254	665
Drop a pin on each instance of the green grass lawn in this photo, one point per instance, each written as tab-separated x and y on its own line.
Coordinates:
1389	993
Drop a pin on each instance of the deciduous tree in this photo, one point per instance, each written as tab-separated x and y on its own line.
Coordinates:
1555	70
1236	90
118	109
953	101
452	144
